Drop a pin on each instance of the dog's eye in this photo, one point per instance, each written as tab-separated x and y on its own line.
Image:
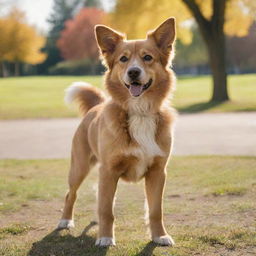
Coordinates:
123	59
147	58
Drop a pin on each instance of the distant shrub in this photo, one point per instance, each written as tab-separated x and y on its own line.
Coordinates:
78	67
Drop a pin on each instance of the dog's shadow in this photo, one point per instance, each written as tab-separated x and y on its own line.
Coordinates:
147	250
58	244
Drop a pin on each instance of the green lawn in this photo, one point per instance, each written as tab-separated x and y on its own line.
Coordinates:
209	210
37	97
193	94
42	97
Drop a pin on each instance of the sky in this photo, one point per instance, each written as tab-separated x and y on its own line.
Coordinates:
37	11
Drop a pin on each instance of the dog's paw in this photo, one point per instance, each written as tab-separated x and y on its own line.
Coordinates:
66	224
105	241
164	240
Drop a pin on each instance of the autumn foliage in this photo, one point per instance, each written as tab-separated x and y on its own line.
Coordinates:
77	40
19	42
136	19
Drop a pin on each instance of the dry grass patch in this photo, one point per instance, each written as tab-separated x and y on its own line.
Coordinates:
200	223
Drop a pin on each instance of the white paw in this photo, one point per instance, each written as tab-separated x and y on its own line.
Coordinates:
105	241
66	224
164	240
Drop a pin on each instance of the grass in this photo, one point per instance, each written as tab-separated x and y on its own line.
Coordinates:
209	210
193	94
231	191
14	229
42	97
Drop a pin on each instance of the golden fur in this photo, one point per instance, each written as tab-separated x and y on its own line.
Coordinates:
130	137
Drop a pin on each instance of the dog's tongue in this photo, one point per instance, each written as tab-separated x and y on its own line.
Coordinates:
135	90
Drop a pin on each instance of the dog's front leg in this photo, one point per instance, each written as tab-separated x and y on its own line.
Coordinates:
154	186
107	188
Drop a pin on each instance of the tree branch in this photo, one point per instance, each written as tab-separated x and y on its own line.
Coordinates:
203	23
218	16
195	10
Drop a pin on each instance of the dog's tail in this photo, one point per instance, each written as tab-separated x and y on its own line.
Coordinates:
85	95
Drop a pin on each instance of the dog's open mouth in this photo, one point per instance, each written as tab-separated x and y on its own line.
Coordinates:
136	88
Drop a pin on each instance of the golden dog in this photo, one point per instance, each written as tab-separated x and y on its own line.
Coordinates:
130	133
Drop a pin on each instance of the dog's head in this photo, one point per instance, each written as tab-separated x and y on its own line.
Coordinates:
137	67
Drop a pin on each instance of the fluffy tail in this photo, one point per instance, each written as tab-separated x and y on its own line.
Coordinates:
85	95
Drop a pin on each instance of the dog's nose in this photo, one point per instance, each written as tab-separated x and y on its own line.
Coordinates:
134	73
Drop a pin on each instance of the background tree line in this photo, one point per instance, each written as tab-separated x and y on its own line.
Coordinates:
19	43
214	36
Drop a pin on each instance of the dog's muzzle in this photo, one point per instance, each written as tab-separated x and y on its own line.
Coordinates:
136	88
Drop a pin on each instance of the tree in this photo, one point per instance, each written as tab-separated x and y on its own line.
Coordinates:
241	59
4	44
77	40
20	42
193	56
63	10
214	19
92	3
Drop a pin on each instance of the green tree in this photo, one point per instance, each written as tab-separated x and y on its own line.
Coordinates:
215	18
63	10
92	3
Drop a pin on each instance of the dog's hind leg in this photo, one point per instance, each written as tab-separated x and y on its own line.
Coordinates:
80	166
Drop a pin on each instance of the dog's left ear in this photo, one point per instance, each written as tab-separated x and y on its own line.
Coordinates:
107	39
164	35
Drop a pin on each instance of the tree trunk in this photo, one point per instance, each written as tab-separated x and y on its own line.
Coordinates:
1	70
4	70
213	34
16	69
217	58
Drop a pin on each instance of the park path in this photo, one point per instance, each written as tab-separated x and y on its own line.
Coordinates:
195	134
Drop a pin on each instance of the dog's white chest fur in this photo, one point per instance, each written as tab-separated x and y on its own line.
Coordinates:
142	128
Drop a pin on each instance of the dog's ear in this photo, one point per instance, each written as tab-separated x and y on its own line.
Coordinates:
164	35
107	39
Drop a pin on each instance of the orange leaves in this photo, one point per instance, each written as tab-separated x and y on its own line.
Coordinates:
77	40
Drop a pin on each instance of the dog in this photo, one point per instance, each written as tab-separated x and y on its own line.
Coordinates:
130	133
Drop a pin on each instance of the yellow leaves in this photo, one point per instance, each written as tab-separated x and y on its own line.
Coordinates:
250	5
206	8
137	17
5	34
238	19
185	35
35	56
19	41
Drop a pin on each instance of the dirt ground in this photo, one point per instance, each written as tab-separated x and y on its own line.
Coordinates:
209	210
195	134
